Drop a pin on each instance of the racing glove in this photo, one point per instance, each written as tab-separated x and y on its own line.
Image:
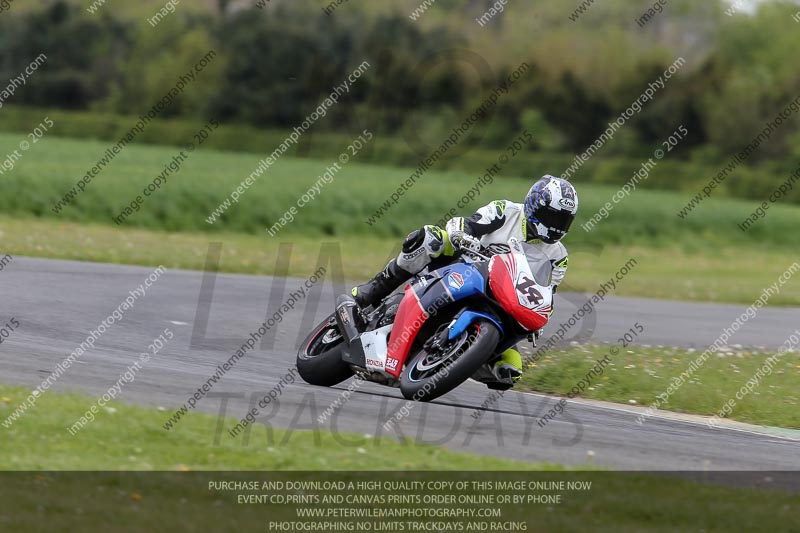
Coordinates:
464	241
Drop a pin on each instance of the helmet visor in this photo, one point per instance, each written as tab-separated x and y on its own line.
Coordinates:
558	220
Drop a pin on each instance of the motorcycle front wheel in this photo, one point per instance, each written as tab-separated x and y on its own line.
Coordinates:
429	375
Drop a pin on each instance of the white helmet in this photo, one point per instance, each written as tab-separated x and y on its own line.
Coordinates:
550	208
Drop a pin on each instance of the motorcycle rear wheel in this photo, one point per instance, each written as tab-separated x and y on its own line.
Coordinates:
319	360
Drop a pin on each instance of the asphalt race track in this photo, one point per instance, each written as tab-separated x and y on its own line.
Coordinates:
57	303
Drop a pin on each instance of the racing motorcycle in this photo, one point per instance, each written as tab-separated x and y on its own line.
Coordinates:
448	324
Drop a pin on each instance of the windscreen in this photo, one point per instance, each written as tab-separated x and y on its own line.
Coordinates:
539	262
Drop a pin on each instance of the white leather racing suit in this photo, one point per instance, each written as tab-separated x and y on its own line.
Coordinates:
493	225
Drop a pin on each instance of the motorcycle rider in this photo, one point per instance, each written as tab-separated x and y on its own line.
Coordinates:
542	221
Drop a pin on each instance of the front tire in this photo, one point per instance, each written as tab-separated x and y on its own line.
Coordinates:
428	376
319	360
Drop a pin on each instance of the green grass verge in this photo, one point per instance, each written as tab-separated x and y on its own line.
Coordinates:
127	437
639	374
687	175
704	257
727	275
131	438
52	166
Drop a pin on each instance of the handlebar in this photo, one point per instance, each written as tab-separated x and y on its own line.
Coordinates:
472	254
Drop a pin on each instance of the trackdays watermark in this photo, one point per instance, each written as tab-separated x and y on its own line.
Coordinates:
450	425
754	382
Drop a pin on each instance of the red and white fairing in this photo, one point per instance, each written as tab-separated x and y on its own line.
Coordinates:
518	292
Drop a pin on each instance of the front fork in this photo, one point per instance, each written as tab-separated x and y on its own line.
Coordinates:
467	316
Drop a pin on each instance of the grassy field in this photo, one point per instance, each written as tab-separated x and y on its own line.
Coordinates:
637	375
124	437
130	438
727	275
687	174
51	167
705	257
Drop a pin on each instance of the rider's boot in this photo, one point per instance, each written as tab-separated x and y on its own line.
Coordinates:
379	287
509	365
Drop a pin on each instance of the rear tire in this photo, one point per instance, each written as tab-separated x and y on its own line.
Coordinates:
476	345
319	360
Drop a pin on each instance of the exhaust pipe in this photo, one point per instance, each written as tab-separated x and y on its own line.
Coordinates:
346	317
